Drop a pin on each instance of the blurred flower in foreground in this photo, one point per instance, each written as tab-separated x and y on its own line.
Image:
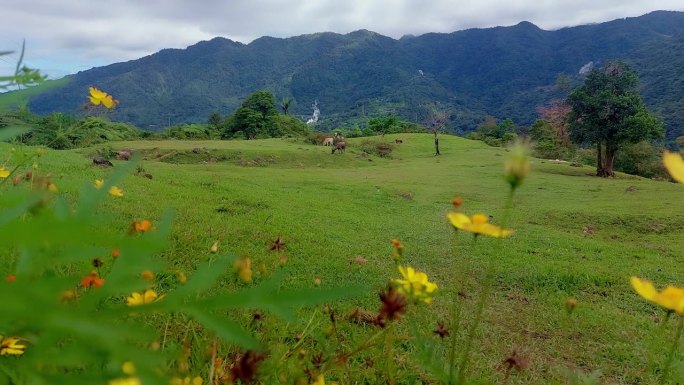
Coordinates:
393	305
320	380
182	278
398	249
477	224
140	226
98	97
98	183
675	165
244	269
92	280
4	172
137	299
415	285
11	346
671	298
115	191
518	165
186	381
570	305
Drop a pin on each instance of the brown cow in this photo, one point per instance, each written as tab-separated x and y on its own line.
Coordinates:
339	146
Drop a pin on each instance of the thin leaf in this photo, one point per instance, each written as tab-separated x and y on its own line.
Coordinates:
226	329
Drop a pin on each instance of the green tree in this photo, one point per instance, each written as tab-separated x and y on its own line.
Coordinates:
607	112
286	103
215	120
255	117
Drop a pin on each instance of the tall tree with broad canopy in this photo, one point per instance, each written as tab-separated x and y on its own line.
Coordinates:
607	111
254	118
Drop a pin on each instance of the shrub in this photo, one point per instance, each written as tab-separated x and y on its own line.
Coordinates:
381	149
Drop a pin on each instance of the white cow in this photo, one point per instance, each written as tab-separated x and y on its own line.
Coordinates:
328	142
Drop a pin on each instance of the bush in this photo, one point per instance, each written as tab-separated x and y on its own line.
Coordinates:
317	138
381	149
641	159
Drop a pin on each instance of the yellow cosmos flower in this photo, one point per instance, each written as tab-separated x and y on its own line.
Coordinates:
675	165
4	172
137	299
415	285
320	380
186	381
671	298
11	346
477	224
98	97
115	191
98	183
52	188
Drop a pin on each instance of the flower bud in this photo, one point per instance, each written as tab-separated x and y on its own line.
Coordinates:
518	165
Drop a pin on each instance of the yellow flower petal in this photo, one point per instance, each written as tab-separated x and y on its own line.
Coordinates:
675	165
4	173
644	288
150	296
115	191
11	346
415	284
98	183
97	94
671	298
458	220
320	380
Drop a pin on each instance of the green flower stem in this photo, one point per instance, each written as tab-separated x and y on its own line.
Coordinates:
484	295
455	326
673	349
389	353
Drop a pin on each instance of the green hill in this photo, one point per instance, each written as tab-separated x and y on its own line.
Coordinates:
504	71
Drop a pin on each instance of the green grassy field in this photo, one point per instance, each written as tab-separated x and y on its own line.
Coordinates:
576	236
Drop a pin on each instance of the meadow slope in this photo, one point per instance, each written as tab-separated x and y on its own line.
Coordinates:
576	236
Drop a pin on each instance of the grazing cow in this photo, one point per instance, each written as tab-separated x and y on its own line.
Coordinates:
398	141
339	146
328	141
123	154
100	161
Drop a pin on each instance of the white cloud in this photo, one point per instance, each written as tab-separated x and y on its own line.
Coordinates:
72	35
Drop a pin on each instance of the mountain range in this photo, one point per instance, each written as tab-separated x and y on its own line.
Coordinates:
505	72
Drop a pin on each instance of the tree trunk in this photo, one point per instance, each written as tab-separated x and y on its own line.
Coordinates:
608	161
599	161
436	144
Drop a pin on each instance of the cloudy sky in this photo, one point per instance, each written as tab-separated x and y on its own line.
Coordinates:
66	36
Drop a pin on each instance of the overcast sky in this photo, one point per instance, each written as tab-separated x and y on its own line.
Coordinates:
67	36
